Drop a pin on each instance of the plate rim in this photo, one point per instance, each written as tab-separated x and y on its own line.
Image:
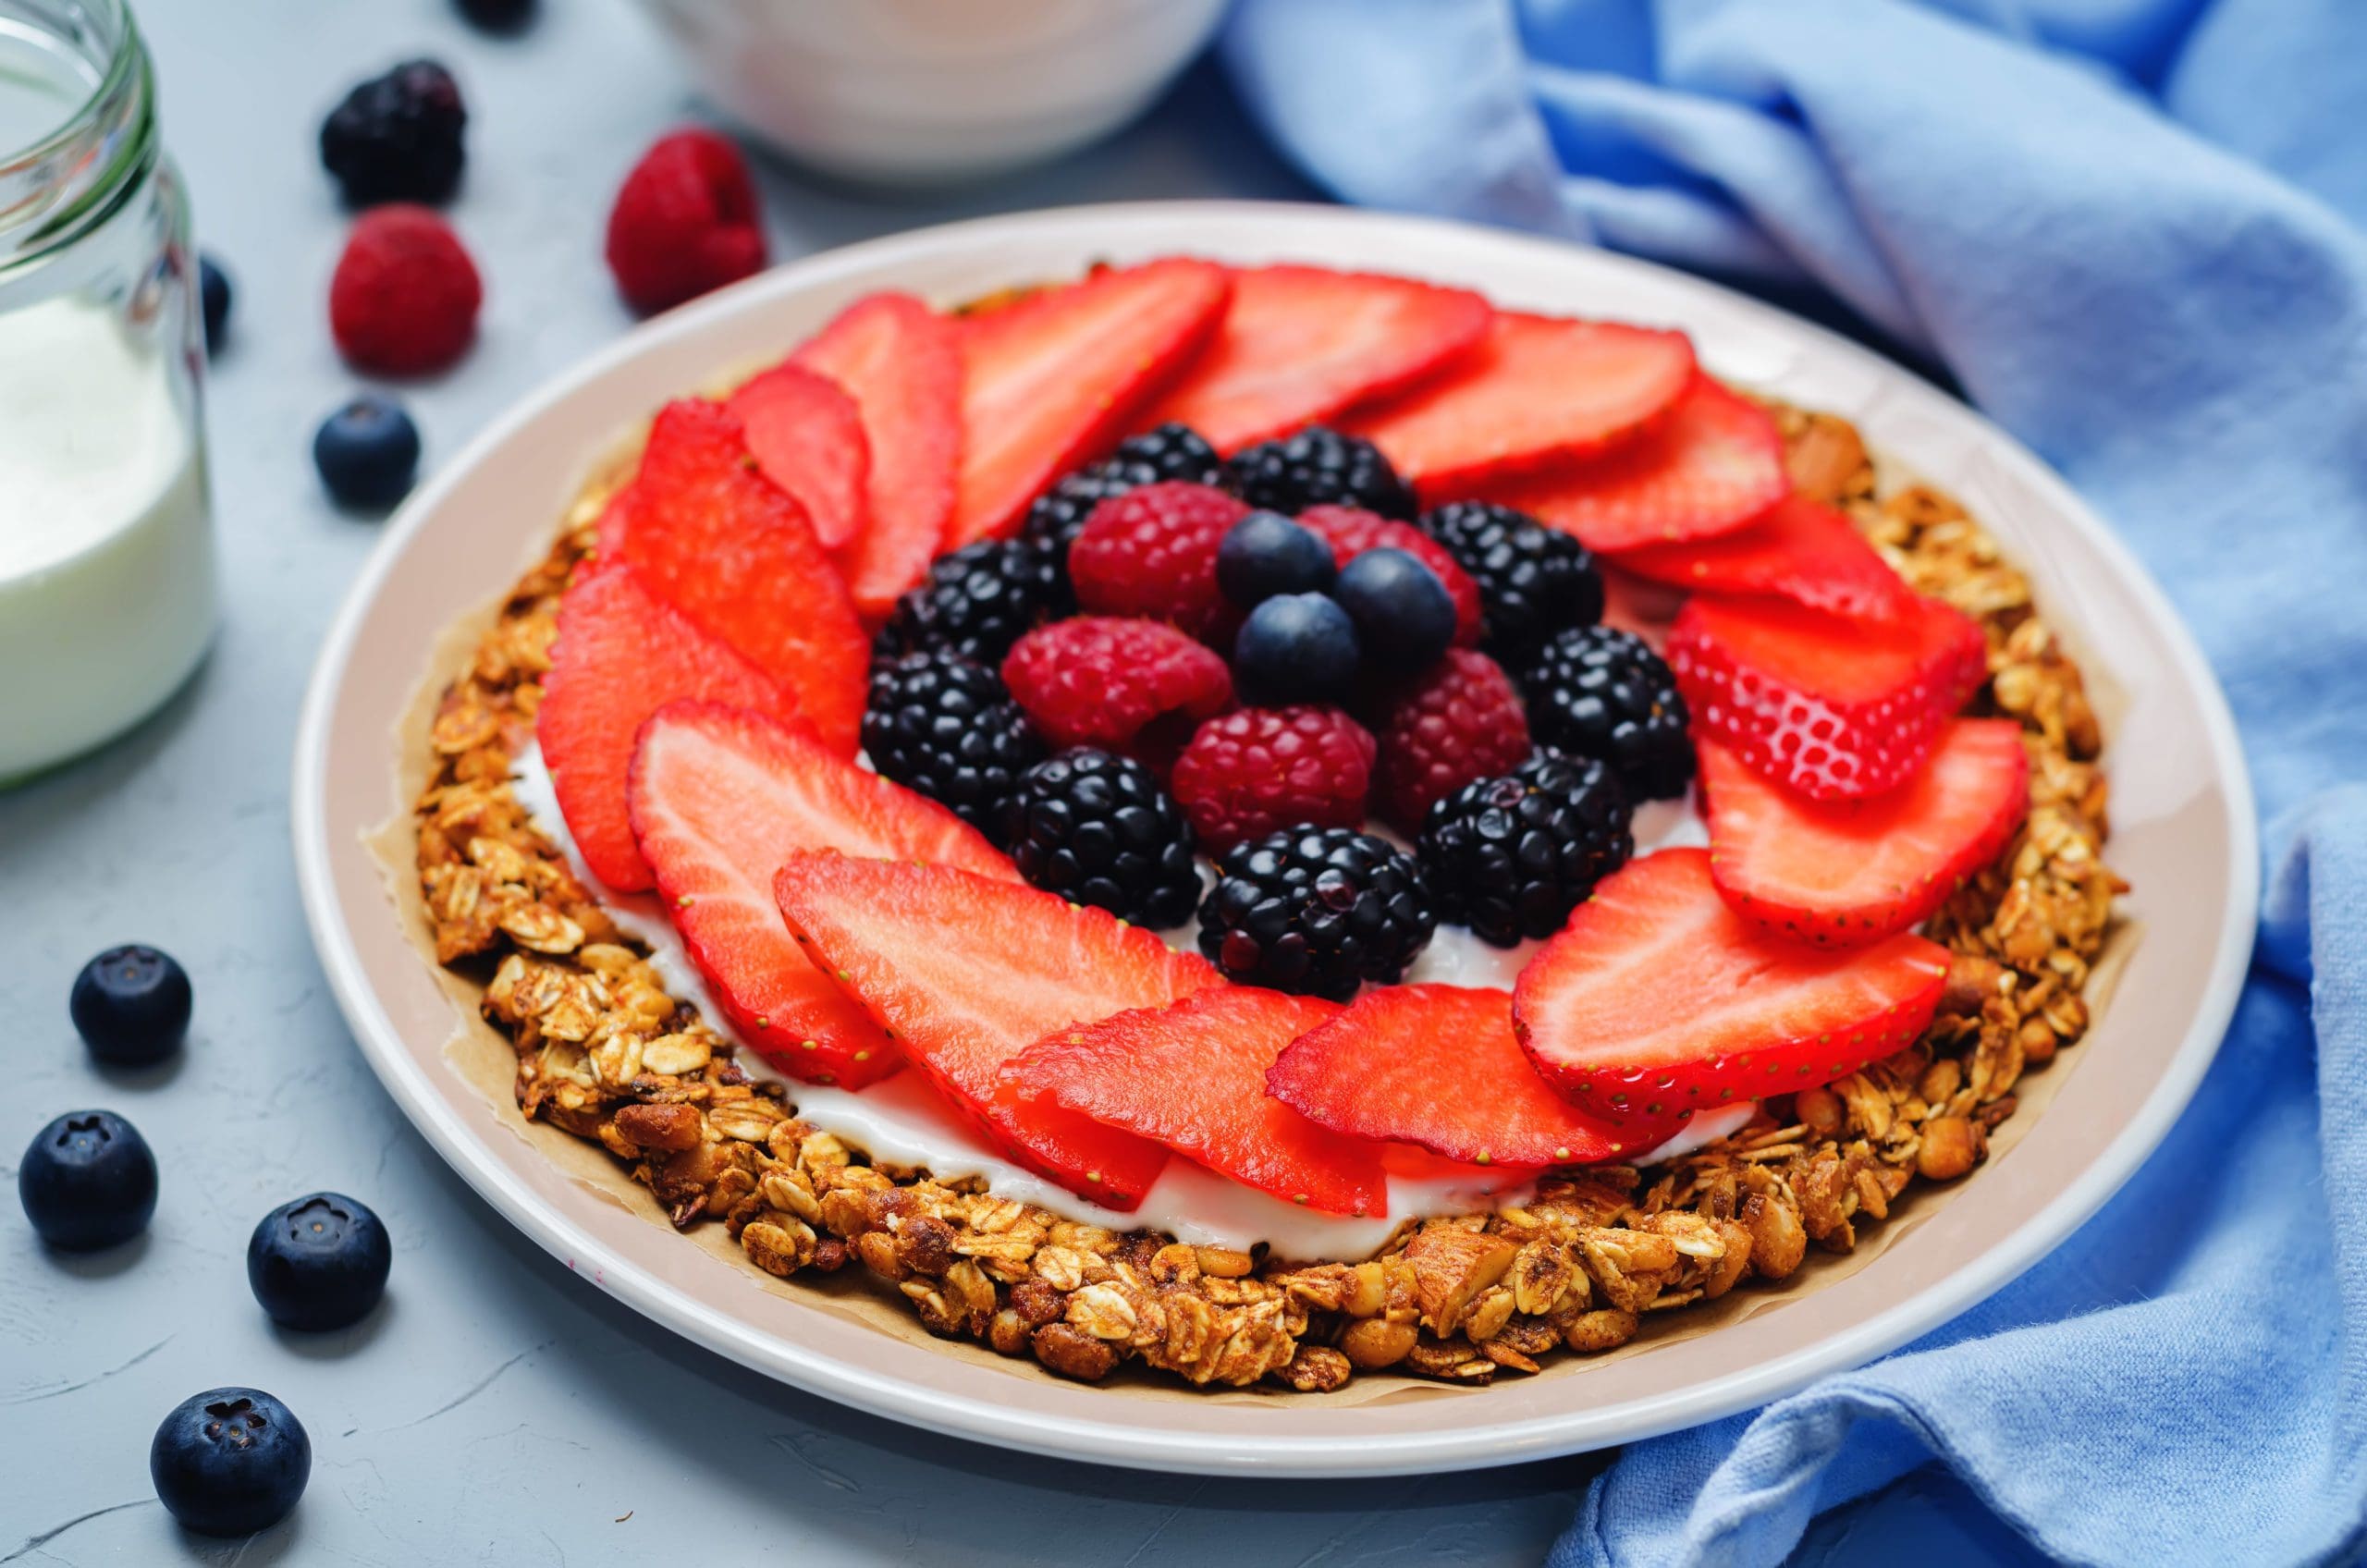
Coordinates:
1131	1441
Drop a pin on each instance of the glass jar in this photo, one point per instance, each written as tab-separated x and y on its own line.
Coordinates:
106	550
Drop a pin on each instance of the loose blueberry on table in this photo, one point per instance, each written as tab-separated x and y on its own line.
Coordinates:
131	1006
214	300
367	452
87	1180
319	1262
230	1461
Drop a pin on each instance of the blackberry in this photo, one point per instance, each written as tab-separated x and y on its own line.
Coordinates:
396	137
946	726
1534	581
1098	829
1318	910
1318	465
1512	856
1599	691
976	602
1172	451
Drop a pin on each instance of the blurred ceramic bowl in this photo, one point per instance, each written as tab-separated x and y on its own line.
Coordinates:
919	91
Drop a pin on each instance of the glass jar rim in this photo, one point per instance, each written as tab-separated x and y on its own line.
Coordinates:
75	175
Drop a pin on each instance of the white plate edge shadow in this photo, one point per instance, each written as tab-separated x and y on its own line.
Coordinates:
1129	1441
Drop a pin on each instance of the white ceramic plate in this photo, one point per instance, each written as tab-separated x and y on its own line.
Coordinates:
2183	834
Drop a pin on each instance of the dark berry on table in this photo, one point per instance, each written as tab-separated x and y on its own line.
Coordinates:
1600	691
977	601
230	1461
214	300
1268	554
947	727
397	137
1254	770
1298	648
1098	829
1534	581
1318	465
1513	855
319	1262
1318	911
499	15
1404	614
87	1180
131	1006
1172	451
367	452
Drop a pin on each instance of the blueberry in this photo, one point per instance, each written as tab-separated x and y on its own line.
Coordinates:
131	1006
87	1180
1295	648
499	15
367	452
320	1262
1402	610
1266	554
214	296
230	1461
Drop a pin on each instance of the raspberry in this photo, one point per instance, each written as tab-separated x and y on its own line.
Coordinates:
1351	531
1258	770
1152	553
685	221
404	298
1459	720
1132	686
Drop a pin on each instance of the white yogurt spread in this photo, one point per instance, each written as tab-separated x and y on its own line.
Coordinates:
903	1120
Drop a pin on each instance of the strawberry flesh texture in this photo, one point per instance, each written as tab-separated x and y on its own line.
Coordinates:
1830	709
1051	379
1299	344
1846	873
621	654
734	552
968	971
1351	531
1796	550
902	364
1714	463
1439	1066
721	796
1656	998
1537	390
807	437
1192	1076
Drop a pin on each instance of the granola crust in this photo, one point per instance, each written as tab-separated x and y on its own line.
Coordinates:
604	1054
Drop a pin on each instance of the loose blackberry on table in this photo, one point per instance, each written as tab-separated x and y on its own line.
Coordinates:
947	727
1600	691
1098	829
1318	465
977	601
1534	581
397	137
1172	451
1317	911
1512	856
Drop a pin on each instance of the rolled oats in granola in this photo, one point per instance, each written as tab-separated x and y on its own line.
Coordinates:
605	1053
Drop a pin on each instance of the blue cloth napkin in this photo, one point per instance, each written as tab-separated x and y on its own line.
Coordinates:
2130	229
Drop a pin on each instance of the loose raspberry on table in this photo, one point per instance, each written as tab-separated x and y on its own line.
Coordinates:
1459	720
404	298
685	221
1137	686
1152	553
1351	531
1256	770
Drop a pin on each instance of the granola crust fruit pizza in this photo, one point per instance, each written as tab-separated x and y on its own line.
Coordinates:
1272	825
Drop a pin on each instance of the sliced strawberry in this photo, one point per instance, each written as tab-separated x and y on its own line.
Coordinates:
1051	379
1192	1076
1797	549
1298	344
807	437
621	654
1351	531
1845	872
734	552
968	971
1658	998
720	797
1715	462
1440	1066
902	364
1537	390
1828	708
